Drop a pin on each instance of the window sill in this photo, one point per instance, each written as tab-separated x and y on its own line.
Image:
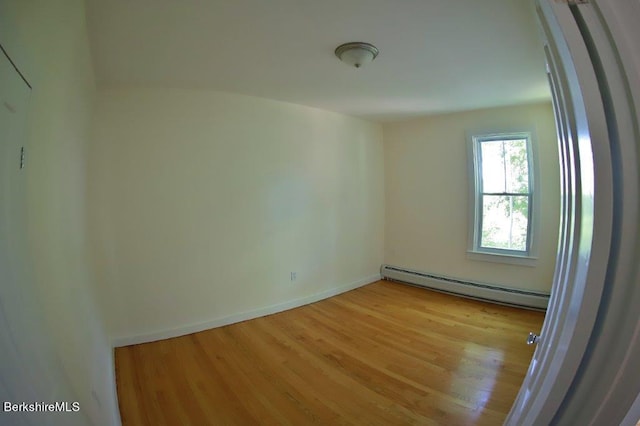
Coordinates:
511	259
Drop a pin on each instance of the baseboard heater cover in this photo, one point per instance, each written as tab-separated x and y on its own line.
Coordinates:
475	290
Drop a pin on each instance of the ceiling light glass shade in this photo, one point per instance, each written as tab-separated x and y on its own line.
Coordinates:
356	54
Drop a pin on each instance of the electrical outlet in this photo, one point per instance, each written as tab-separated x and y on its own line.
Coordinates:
294	276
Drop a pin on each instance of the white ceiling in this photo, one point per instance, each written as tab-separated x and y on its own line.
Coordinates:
435	55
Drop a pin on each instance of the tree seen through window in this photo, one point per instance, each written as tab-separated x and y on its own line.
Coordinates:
504	194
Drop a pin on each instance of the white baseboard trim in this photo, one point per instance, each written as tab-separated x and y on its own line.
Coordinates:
116	410
243	316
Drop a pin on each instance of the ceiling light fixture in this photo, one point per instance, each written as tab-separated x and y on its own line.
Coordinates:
356	53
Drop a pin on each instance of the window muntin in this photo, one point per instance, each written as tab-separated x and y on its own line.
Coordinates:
503	194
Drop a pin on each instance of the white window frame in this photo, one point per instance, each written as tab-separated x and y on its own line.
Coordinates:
474	250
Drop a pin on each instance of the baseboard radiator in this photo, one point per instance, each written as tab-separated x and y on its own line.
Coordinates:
487	292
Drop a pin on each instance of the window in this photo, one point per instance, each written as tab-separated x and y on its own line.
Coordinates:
503	199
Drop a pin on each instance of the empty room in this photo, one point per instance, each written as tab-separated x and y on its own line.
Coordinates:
341	212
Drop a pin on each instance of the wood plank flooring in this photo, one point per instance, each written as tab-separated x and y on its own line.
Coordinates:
383	354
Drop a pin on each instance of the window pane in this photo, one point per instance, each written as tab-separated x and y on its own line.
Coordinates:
505	167
517	166
493	166
504	222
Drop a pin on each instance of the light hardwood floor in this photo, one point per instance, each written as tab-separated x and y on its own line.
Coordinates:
383	354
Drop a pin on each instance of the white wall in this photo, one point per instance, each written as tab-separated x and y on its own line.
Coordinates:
204	202
67	343
427	184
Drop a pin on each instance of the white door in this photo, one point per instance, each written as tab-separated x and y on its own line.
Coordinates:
21	335
584	369
30	368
